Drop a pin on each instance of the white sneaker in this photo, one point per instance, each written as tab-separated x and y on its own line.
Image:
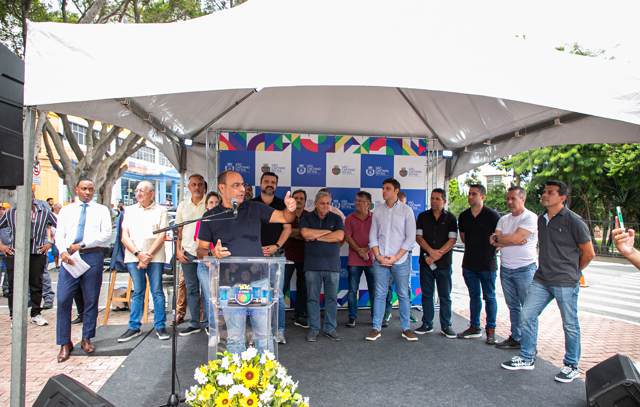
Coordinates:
39	320
280	338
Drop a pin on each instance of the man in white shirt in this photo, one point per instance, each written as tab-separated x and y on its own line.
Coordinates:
190	209
516	236
144	255
85	227
391	238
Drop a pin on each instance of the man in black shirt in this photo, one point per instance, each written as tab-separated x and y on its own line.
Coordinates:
240	236
273	236
436	233
479	265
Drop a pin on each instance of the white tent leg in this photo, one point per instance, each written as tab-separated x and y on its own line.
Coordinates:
21	267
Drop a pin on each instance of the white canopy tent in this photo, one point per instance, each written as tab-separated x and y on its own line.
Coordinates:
454	72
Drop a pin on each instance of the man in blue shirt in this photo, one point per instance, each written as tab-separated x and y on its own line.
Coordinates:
391	238
323	231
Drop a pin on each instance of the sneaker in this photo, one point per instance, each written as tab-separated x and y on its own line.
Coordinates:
448	332
39	320
508	343
409	335
206	330
162	334
47	305
518	363
471	332
387	317
189	330
373	335
312	336
412	318
385	323
332	335
351	323
129	335
301	322
491	336
423	329
567	374
280	338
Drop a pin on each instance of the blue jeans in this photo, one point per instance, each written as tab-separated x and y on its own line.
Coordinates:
538	297
355	273
236	320
154	272
400	274
204	277
300	307
481	282
515	283
428	280
315	280
47	290
192	283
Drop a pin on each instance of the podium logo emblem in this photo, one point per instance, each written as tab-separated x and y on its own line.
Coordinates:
243	295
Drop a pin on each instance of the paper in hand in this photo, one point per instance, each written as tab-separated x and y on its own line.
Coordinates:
79	266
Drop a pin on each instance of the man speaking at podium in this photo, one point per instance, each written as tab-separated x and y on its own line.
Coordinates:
238	233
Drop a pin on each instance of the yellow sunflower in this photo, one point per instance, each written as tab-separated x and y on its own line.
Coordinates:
223	399
250	376
251	401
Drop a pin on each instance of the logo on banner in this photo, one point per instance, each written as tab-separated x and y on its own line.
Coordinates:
344	170
411	172
344	205
273	167
377	171
308	169
237	167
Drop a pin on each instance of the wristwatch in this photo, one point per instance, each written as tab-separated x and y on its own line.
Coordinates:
136	253
82	245
277	245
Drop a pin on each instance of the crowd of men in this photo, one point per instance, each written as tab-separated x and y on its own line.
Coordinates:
542	258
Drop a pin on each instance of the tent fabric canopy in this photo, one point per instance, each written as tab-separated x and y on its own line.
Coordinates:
361	67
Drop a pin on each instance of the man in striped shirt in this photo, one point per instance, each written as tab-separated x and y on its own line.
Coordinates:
41	219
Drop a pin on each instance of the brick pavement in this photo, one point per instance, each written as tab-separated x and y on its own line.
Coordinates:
42	353
601	337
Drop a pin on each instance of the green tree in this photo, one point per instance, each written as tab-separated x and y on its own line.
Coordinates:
457	199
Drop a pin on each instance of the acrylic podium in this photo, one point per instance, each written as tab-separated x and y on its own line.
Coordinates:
243	303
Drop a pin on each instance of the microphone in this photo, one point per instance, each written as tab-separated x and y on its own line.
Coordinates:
234	205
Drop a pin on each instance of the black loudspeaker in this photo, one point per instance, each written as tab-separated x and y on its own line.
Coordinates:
63	391
614	382
11	98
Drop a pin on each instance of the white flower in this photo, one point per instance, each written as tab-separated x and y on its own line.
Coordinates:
294	387
268	355
236	359
225	362
266	397
249	353
200	377
239	389
224	379
263	359
306	400
190	394
281	373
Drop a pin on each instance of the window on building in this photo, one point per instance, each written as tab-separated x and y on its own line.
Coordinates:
128	189
146	154
493	181
80	133
163	160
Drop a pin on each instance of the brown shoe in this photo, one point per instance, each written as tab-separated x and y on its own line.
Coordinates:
179	320
65	352
87	346
491	336
373	335
409	335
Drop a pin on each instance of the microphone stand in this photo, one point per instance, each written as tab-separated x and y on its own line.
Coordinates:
174	399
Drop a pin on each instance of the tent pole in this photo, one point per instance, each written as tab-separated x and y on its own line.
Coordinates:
21	266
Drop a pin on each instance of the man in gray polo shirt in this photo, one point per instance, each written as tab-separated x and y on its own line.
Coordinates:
565	250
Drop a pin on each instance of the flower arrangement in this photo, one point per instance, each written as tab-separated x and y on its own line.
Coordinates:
246	380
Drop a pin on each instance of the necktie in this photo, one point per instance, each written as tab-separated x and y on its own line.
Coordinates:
81	222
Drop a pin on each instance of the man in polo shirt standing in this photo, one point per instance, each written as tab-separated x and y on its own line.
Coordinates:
517	238
145	255
479	266
191	209
356	230
392	236
323	231
565	250
436	233
240	235
273	236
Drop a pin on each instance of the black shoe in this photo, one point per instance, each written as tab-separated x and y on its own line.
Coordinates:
471	332
332	335
162	334
567	374
424	329
301	322
385	323
76	321
351	323
508	343
129	335
448	332
188	331
312	336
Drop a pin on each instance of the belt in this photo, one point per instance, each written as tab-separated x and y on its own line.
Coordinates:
91	250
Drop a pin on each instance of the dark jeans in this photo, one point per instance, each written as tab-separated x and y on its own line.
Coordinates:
192	283
355	273
440	277
36	265
481	282
300	306
88	285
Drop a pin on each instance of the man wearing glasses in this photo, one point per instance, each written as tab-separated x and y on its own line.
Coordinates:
239	235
